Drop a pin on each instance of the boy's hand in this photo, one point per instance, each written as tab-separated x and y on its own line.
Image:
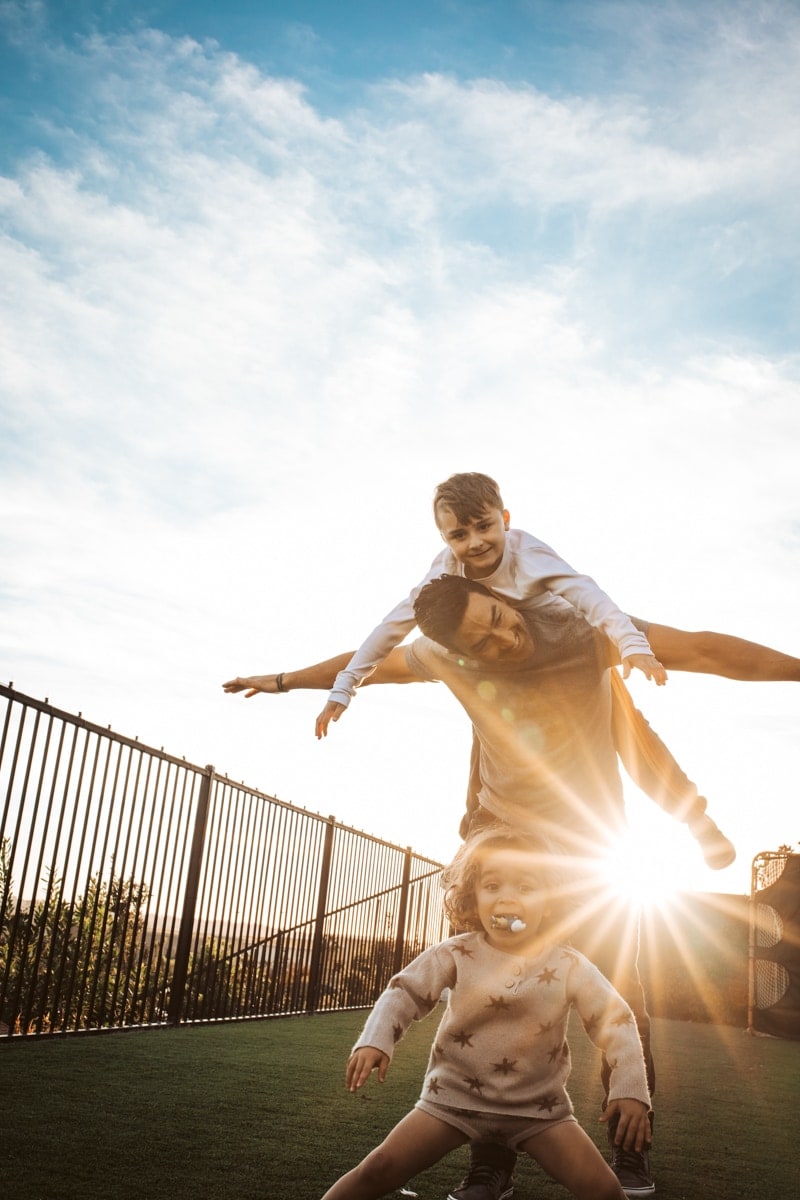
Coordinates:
362	1063
648	663
331	712
633	1128
253	683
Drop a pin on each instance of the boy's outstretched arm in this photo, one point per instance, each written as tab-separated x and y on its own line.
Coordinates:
360	1065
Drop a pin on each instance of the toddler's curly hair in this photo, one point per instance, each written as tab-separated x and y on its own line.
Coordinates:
460	877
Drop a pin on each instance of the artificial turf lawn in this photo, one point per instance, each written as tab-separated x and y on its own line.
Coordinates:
258	1111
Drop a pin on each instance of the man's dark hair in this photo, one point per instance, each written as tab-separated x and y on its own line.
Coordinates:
440	607
467	496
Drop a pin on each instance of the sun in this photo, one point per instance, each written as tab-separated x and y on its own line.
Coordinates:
638	870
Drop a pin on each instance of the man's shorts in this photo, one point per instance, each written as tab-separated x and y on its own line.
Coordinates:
492	1127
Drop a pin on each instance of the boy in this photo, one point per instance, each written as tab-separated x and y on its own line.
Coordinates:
473	521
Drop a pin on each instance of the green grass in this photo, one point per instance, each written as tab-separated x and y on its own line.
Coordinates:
259	1112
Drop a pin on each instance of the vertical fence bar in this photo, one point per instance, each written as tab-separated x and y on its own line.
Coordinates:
181	968
400	937
314	973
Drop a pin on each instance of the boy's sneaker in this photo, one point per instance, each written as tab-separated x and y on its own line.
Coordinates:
484	1181
632	1169
717	850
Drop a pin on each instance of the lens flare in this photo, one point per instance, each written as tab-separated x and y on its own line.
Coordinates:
636	872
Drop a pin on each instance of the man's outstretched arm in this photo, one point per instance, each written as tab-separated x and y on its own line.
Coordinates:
320	676
720	654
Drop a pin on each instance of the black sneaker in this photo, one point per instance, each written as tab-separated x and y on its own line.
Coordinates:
632	1169
484	1182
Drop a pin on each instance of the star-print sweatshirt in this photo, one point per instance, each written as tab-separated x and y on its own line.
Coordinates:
501	1046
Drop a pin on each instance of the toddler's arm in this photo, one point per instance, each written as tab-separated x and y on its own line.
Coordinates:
362	1063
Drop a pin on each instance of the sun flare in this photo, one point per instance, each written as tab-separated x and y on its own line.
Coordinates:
638	871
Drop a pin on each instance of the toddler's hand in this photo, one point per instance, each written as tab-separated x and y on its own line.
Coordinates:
633	1127
362	1063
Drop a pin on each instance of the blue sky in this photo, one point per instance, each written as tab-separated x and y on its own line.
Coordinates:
270	272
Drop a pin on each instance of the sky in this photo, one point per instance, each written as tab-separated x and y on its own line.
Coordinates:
269	272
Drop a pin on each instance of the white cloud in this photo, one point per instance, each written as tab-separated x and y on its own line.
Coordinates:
242	341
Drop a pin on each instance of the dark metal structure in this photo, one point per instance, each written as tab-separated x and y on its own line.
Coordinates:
774	958
137	889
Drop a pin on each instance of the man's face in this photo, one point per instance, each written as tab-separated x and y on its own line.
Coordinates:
491	631
477	544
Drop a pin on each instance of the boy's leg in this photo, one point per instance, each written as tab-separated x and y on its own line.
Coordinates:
473	805
417	1142
652	767
719	654
570	1157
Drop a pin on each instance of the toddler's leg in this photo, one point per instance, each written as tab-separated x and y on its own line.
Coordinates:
571	1158
416	1143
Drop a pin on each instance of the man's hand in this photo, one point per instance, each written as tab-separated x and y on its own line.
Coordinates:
633	1127
362	1063
331	712
648	663
253	685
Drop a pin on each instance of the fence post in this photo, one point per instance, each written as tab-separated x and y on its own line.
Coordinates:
186	930
315	969
400	937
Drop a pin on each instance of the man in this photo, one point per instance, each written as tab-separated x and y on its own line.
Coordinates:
537	688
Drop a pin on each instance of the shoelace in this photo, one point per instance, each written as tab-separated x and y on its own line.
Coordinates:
484	1173
633	1160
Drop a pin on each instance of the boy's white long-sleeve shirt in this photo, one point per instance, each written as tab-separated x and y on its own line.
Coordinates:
501	1046
530	571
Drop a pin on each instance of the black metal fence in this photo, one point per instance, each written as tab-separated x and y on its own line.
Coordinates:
137	889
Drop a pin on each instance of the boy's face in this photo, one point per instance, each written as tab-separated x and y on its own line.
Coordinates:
509	886
479	543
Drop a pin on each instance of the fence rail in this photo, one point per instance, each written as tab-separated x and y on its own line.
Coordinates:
137	889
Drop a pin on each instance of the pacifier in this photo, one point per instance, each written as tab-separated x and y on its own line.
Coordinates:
512	924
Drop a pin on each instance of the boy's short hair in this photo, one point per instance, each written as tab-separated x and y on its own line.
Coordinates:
460	878
440	606
467	496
